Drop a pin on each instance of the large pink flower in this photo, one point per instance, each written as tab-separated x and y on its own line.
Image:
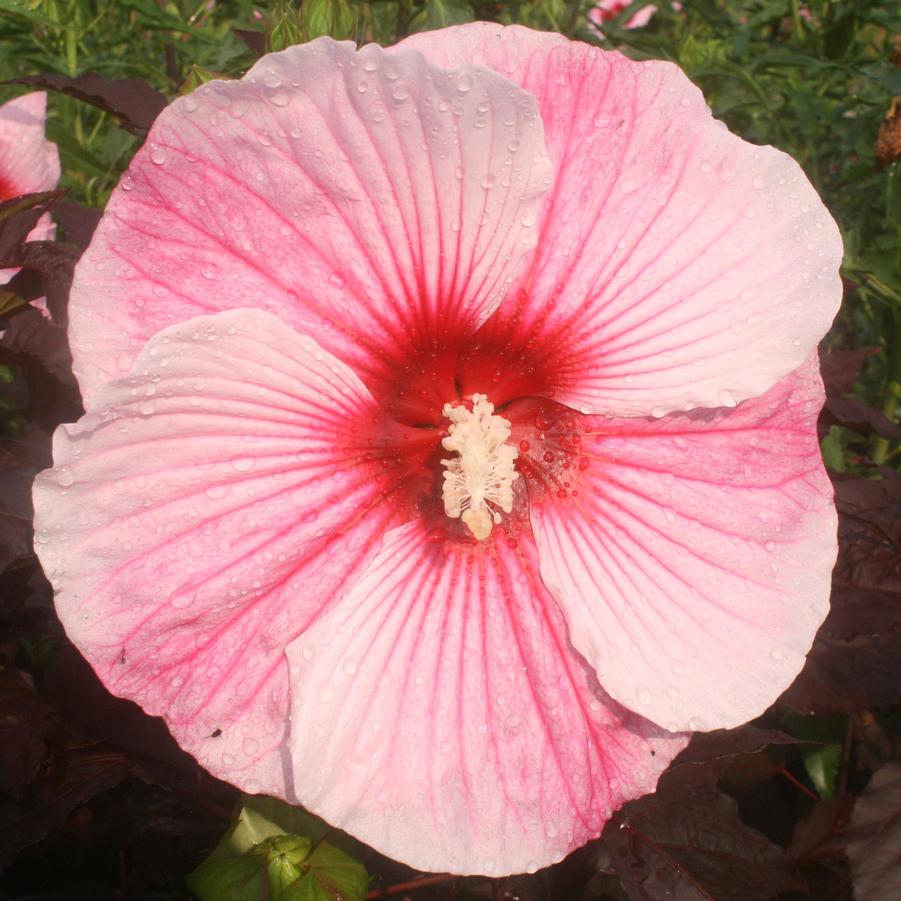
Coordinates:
29	163
450	442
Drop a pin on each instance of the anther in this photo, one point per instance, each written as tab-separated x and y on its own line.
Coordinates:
478	483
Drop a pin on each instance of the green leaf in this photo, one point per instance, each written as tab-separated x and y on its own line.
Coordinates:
833	452
332	876
328	17
262	817
283	27
441	13
9	301
822	767
275	851
284	855
21	9
234	879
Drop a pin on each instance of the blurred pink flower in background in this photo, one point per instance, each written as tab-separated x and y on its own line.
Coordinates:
29	163
450	445
610	9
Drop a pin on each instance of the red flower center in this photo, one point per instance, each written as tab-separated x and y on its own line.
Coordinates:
517	379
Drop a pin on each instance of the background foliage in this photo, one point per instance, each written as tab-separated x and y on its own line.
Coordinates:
97	802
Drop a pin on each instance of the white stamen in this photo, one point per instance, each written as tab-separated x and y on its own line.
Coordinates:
478	483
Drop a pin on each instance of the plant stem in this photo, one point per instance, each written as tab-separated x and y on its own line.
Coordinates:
797	25
880	446
412	885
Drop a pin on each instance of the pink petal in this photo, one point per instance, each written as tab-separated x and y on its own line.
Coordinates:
692	556
440	715
201	515
28	161
610	9
642	17
677	265
371	202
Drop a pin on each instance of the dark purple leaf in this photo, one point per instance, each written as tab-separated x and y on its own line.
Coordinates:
30	334
132	101
24	723
856	657
255	40
720	746
54	261
817	834
874	837
695	848
20	461
73	771
78	694
840	368
77	221
859	417
18	217
711	754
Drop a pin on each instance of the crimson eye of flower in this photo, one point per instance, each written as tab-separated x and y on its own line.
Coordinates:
450	448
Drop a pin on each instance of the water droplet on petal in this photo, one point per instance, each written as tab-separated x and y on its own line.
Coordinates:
465	83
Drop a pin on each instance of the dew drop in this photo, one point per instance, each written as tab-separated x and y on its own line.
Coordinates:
242	464
465	83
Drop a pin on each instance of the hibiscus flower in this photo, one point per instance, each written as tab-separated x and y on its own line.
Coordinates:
29	163
610	9
449	449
